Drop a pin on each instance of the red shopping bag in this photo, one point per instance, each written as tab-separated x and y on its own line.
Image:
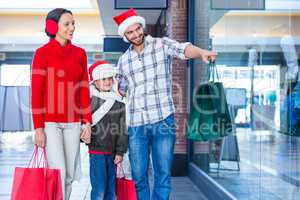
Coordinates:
125	188
37	182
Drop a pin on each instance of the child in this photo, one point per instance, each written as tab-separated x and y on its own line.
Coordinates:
109	131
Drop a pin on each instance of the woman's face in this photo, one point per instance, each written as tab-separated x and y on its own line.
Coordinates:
66	26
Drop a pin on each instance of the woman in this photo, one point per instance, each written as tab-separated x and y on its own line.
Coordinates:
60	97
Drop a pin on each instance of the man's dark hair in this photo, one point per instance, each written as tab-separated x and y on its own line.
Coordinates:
55	15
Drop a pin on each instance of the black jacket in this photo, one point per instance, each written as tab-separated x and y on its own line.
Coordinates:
110	133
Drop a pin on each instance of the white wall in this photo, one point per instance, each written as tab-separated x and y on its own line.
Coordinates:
28	29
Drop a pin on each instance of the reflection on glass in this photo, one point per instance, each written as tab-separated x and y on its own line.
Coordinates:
258	52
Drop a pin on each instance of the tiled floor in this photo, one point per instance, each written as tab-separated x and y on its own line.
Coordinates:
16	149
270	167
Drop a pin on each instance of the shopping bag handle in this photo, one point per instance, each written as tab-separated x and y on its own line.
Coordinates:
35	161
120	167
212	71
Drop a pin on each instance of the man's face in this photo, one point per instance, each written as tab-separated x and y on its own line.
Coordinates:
135	34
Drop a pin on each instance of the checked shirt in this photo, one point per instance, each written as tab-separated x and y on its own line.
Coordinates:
148	78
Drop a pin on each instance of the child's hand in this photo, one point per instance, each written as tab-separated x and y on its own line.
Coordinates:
118	159
85	135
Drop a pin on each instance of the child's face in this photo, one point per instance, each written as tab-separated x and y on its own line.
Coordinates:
105	84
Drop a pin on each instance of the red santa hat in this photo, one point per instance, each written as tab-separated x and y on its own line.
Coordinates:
100	70
126	19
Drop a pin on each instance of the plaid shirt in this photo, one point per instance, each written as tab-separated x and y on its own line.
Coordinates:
148	77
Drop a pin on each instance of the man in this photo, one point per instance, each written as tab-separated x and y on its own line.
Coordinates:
146	69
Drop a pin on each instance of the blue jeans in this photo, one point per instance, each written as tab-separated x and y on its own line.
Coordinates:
102	177
160	138
296	92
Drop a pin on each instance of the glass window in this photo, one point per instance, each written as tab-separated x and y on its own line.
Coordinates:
15	75
260	52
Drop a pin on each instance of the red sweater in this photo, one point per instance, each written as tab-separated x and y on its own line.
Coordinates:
60	88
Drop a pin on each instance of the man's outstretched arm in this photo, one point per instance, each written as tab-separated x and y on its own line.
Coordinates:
192	51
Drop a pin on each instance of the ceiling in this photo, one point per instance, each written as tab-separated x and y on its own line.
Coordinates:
34	6
107	12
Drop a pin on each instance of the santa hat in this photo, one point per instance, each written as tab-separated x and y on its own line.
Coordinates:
100	70
126	19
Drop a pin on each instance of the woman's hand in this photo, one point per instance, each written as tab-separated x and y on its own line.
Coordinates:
85	135
40	137
118	159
